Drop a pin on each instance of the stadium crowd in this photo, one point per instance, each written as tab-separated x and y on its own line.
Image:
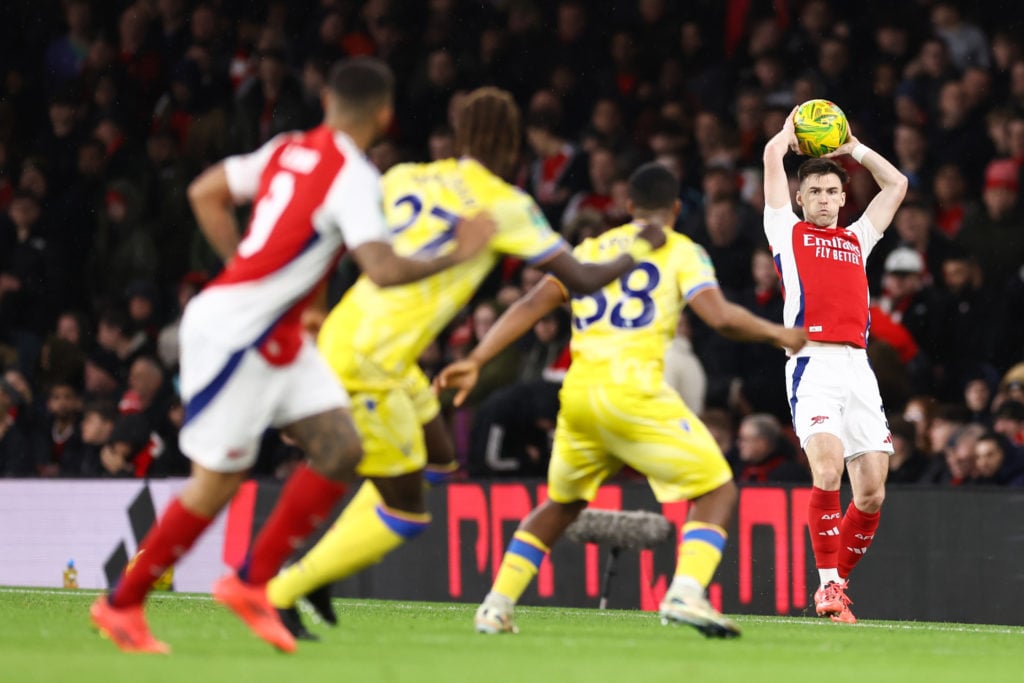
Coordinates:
109	109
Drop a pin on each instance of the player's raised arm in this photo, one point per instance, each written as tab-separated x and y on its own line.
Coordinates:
214	209
893	183
585	278
736	322
776	185
513	324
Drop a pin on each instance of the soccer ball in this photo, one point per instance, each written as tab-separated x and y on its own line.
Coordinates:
820	127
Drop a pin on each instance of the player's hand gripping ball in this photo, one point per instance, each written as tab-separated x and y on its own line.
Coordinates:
820	127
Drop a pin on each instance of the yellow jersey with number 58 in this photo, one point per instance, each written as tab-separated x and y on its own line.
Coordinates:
383	331
620	333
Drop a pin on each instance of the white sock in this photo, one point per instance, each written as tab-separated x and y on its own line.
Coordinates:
826	575
687	584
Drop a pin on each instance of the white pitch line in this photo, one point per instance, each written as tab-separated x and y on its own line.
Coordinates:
348	603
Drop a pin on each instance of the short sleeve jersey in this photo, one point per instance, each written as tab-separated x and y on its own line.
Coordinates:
823	278
313	193
621	332
423	203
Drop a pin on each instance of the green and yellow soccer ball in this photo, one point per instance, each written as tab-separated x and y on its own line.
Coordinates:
820	127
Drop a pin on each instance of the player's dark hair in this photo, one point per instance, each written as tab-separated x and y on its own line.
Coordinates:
653	187
362	82
487	129
822	167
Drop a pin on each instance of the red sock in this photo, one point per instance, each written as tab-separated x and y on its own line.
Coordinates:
855	536
305	502
823	523
165	543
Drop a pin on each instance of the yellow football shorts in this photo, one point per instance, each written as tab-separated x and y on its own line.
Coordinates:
389	417
605	426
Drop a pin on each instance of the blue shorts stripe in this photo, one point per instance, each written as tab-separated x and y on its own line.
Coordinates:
406	528
798	373
532	553
205	396
709	536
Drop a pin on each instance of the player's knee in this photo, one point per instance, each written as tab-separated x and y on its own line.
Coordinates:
337	461
870	501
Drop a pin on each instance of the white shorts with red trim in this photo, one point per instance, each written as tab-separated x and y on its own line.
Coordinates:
232	396
833	390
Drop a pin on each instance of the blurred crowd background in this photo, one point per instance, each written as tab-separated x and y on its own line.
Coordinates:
109	108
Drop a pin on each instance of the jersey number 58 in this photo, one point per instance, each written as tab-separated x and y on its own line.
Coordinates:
617	316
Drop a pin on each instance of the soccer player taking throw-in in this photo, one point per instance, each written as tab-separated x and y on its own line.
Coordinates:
833	394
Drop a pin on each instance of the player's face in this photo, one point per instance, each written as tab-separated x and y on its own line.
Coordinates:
821	197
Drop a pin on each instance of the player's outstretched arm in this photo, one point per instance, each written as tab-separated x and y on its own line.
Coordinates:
513	324
776	185
893	183
213	206
585	278
385	268
736	322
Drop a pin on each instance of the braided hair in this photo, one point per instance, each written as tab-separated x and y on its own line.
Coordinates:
487	128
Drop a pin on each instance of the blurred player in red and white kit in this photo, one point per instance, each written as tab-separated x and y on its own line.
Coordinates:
833	393
246	363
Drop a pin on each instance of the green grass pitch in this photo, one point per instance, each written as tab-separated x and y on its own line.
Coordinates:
45	636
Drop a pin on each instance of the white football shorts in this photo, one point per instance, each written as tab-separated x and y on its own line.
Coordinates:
232	396
833	390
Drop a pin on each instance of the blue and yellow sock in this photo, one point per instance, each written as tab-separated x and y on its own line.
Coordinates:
521	563
700	551
362	536
435	475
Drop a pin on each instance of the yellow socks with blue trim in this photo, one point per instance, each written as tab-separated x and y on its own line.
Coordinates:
700	551
521	563
362	536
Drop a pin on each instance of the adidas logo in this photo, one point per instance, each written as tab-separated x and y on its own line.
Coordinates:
834	531
857	551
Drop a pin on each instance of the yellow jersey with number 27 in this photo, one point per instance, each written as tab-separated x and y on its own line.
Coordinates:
383	331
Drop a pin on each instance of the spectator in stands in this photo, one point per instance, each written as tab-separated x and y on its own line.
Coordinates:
683	369
95	429
996	235
123	455
15	452
915	229
1008	420
951	202
956	466
103	373
762	455
919	412
116	335
271	101
997	461
956	139
971	324
729	249
602	172
559	168
55	440
966	42
907	463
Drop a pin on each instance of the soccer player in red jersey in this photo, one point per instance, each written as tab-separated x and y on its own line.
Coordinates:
246	363
833	393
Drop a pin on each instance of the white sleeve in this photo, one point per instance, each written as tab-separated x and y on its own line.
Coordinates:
355	205
778	223
244	171
866	234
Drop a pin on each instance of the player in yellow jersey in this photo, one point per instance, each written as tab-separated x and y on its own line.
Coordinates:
616	408
374	336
